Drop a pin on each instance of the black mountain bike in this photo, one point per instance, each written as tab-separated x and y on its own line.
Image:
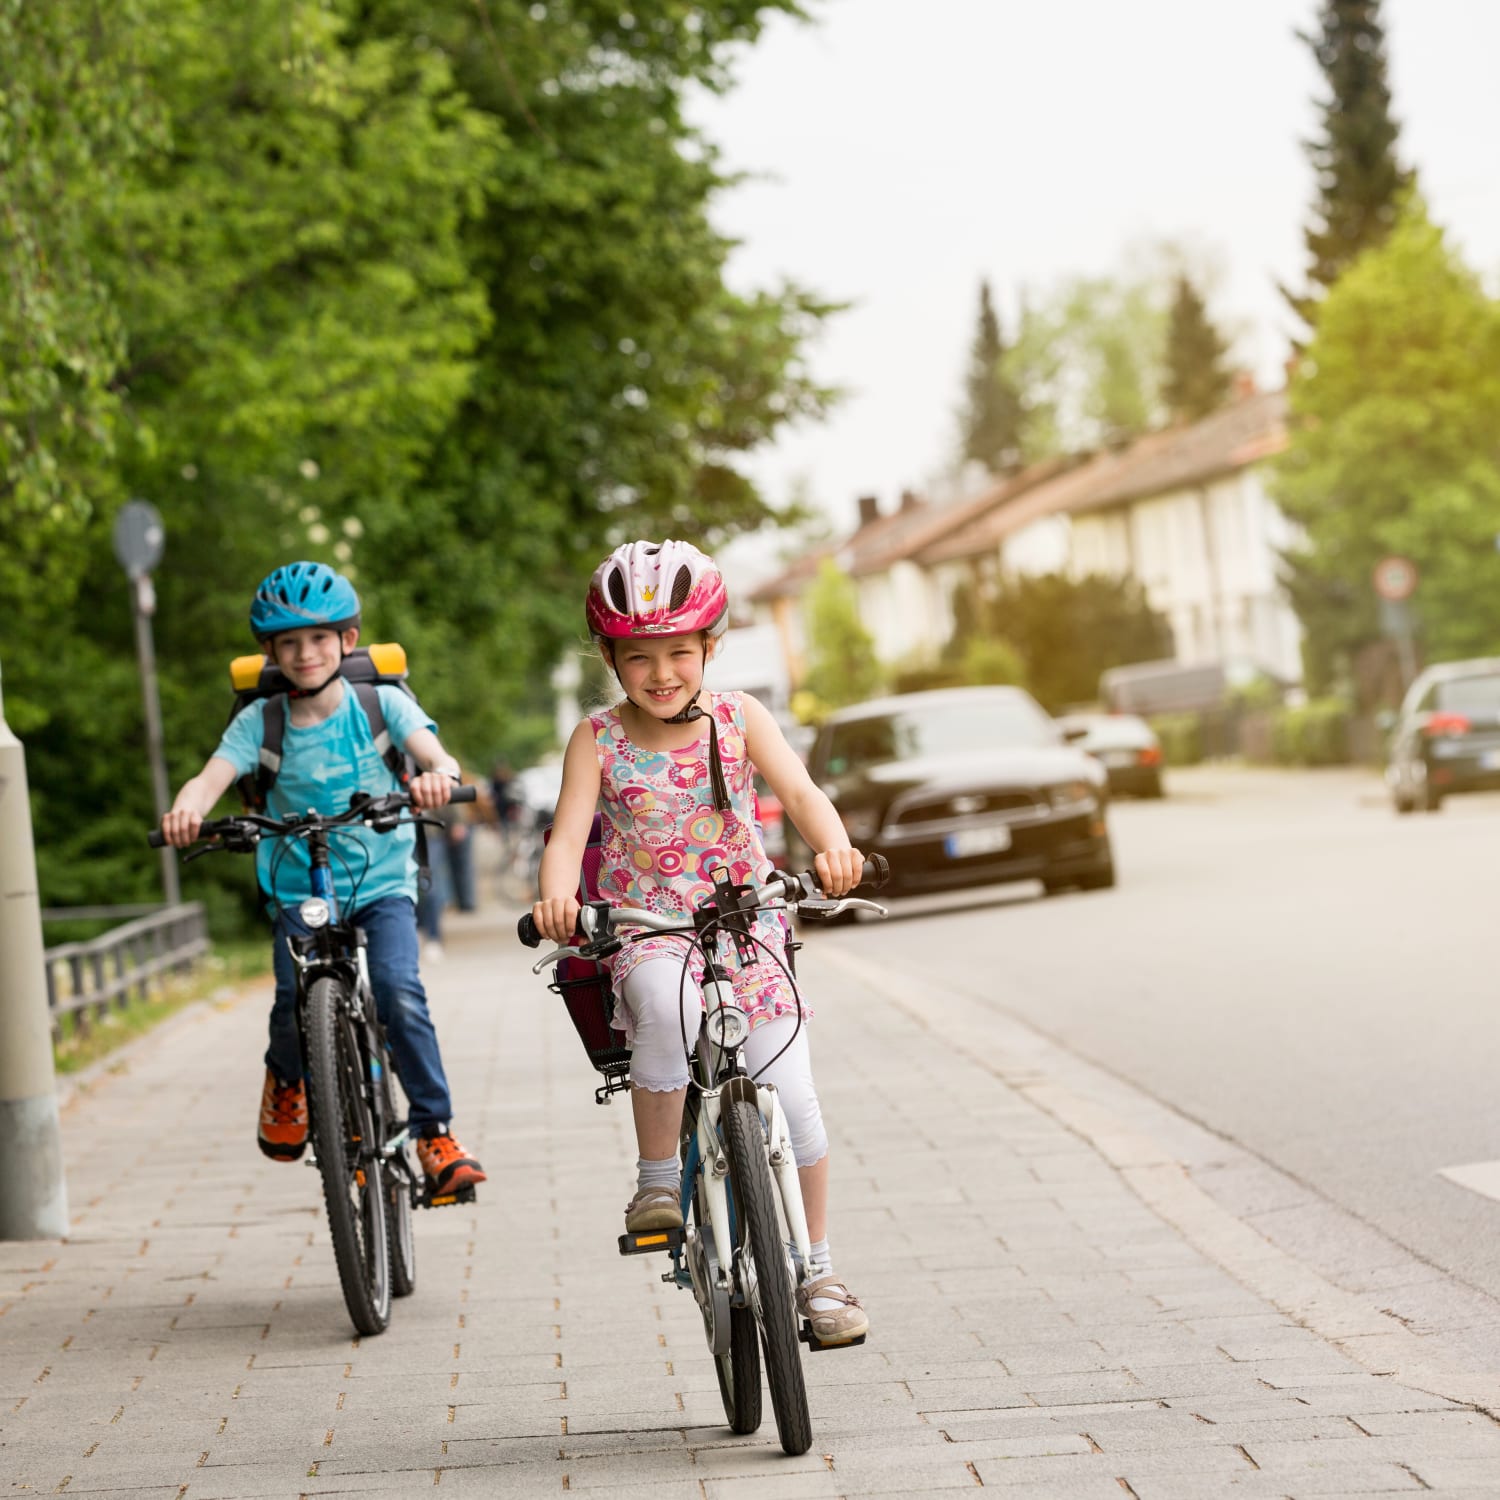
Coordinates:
360	1143
741	1196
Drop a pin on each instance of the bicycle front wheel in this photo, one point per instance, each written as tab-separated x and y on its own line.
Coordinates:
343	1132
758	1228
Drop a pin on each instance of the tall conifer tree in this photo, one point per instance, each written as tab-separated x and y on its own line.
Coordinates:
992	415
1197	379
1360	180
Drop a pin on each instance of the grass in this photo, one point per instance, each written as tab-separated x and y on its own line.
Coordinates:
229	964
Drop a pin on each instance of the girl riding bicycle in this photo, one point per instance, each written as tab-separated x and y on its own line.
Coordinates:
673	778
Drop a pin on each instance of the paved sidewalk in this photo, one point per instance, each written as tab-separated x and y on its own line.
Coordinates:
1051	1312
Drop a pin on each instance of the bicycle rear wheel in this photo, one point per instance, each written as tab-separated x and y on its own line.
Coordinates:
343	1132
400	1175
738	1368
759	1229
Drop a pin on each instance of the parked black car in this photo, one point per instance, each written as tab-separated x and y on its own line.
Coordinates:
1446	738
1125	745
964	787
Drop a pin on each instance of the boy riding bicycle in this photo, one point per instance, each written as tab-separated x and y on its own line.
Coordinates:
306	618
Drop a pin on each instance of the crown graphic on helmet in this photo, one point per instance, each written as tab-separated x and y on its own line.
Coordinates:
656	588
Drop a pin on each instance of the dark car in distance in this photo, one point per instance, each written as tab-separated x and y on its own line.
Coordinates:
1446	738
1125	745
963	787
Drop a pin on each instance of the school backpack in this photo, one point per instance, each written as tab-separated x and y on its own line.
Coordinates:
586	990
364	669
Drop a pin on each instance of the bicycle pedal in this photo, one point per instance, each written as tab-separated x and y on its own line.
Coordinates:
814	1344
649	1241
447	1200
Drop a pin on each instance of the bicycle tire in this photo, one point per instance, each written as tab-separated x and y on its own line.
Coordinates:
399	1178
353	1182
738	1370
755	1210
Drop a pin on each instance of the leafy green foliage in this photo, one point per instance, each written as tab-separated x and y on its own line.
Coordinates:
430	293
991	418
1361	183
1396	408
1086	364
842	666
1197	380
1063	631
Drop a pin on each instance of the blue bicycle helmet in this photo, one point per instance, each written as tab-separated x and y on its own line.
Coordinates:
302	594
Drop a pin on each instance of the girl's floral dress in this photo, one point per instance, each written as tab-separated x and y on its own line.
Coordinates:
663	838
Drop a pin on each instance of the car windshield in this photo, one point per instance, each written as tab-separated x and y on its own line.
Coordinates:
1116	731
938	729
1469	695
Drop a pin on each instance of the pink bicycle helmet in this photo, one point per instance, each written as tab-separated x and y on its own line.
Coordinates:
656	588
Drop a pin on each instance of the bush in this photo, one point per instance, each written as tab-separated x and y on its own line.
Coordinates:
1316	734
1181	737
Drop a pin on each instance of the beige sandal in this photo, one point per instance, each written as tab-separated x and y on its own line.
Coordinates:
653	1208
834	1325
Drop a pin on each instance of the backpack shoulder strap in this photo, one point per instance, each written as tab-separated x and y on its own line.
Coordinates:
256	787
369	701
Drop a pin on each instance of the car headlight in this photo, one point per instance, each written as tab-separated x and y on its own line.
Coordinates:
727	1027
314	912
860	823
1070	793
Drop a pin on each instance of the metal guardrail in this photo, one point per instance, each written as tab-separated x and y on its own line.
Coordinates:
129	961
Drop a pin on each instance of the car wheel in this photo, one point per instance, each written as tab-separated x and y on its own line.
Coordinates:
1403	805
1432	800
1156	789
1098	880
1054	887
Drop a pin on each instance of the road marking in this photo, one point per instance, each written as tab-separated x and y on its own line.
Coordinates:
1478	1177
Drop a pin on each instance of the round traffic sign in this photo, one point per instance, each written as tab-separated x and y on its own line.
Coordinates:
1395	578
138	537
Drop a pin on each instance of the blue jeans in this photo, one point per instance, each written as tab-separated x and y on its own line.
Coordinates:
390	924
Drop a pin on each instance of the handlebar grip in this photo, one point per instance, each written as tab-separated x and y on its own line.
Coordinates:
877	872
463	794
157	839
526	931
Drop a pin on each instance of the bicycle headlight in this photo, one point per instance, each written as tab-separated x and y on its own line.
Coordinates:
314	912
727	1027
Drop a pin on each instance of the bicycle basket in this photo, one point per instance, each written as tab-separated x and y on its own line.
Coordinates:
585	988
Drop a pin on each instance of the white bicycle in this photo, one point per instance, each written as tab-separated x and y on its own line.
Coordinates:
737	1162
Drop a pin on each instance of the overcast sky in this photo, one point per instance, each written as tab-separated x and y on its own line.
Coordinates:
903	149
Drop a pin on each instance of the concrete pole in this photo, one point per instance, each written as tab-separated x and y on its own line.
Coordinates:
33	1195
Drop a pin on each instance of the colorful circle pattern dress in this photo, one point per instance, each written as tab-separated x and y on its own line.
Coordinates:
663	838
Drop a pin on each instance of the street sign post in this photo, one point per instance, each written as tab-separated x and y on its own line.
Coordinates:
1395	580
139	538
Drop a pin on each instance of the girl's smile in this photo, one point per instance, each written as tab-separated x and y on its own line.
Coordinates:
659	674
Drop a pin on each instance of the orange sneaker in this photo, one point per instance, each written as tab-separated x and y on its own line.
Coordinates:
282	1134
447	1165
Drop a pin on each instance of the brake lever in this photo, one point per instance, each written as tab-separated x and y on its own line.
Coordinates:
201	850
822	909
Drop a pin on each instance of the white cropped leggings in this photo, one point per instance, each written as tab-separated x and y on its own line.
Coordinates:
659	1065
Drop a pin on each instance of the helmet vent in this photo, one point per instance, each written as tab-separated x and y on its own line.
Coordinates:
617	595
682	586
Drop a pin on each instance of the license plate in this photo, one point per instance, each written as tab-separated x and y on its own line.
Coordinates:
971	841
1490	760
1119	758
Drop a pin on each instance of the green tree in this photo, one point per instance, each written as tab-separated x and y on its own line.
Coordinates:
1360	181
1197	380
1067	631
842	666
1086	363
1396	407
991	418
431	294
73	117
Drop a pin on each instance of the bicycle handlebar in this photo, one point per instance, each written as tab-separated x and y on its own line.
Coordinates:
247	828
796	889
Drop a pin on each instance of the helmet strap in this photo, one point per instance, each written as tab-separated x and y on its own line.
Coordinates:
694	710
326	683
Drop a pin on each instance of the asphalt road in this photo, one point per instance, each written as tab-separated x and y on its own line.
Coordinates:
1286	963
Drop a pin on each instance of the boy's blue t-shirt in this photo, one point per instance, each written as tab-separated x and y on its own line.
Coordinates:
322	766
